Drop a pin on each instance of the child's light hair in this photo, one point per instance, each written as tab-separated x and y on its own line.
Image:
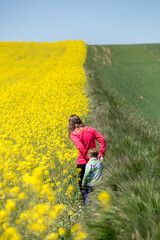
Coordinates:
93	152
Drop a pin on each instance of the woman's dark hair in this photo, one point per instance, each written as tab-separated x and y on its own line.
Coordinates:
74	122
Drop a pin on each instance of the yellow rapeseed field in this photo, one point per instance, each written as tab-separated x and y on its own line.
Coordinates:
41	85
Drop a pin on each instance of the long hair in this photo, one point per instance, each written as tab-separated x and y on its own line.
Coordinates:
74	122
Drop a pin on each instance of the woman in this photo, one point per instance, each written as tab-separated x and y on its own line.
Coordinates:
84	138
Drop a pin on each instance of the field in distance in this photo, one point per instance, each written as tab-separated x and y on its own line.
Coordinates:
131	72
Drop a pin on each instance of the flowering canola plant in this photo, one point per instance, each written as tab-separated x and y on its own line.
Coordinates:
41	85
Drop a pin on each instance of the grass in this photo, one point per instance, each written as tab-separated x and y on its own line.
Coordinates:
130	124
133	72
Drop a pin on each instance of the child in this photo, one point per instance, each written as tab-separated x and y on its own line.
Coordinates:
93	173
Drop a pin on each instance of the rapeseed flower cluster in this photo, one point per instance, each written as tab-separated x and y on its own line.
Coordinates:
77	232
105	200
41	85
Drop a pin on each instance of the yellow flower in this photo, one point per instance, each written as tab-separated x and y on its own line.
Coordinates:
71	213
32	180
52	198
3	216
37	172
79	170
69	191
76	227
48	180
61	231
78	179
65	180
58	183
59	209
65	171
46	191
60	190
11	234
42	209
70	176
23	216
105	199
53	215
38	227
70	188
22	196
15	190
52	185
46	172
10	205
80	236
6	225
52	236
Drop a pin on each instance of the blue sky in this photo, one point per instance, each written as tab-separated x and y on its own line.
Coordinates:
94	21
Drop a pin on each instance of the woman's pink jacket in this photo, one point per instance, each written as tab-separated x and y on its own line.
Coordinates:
84	139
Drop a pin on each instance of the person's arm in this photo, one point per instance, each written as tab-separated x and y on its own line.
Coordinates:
76	140
102	142
86	174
